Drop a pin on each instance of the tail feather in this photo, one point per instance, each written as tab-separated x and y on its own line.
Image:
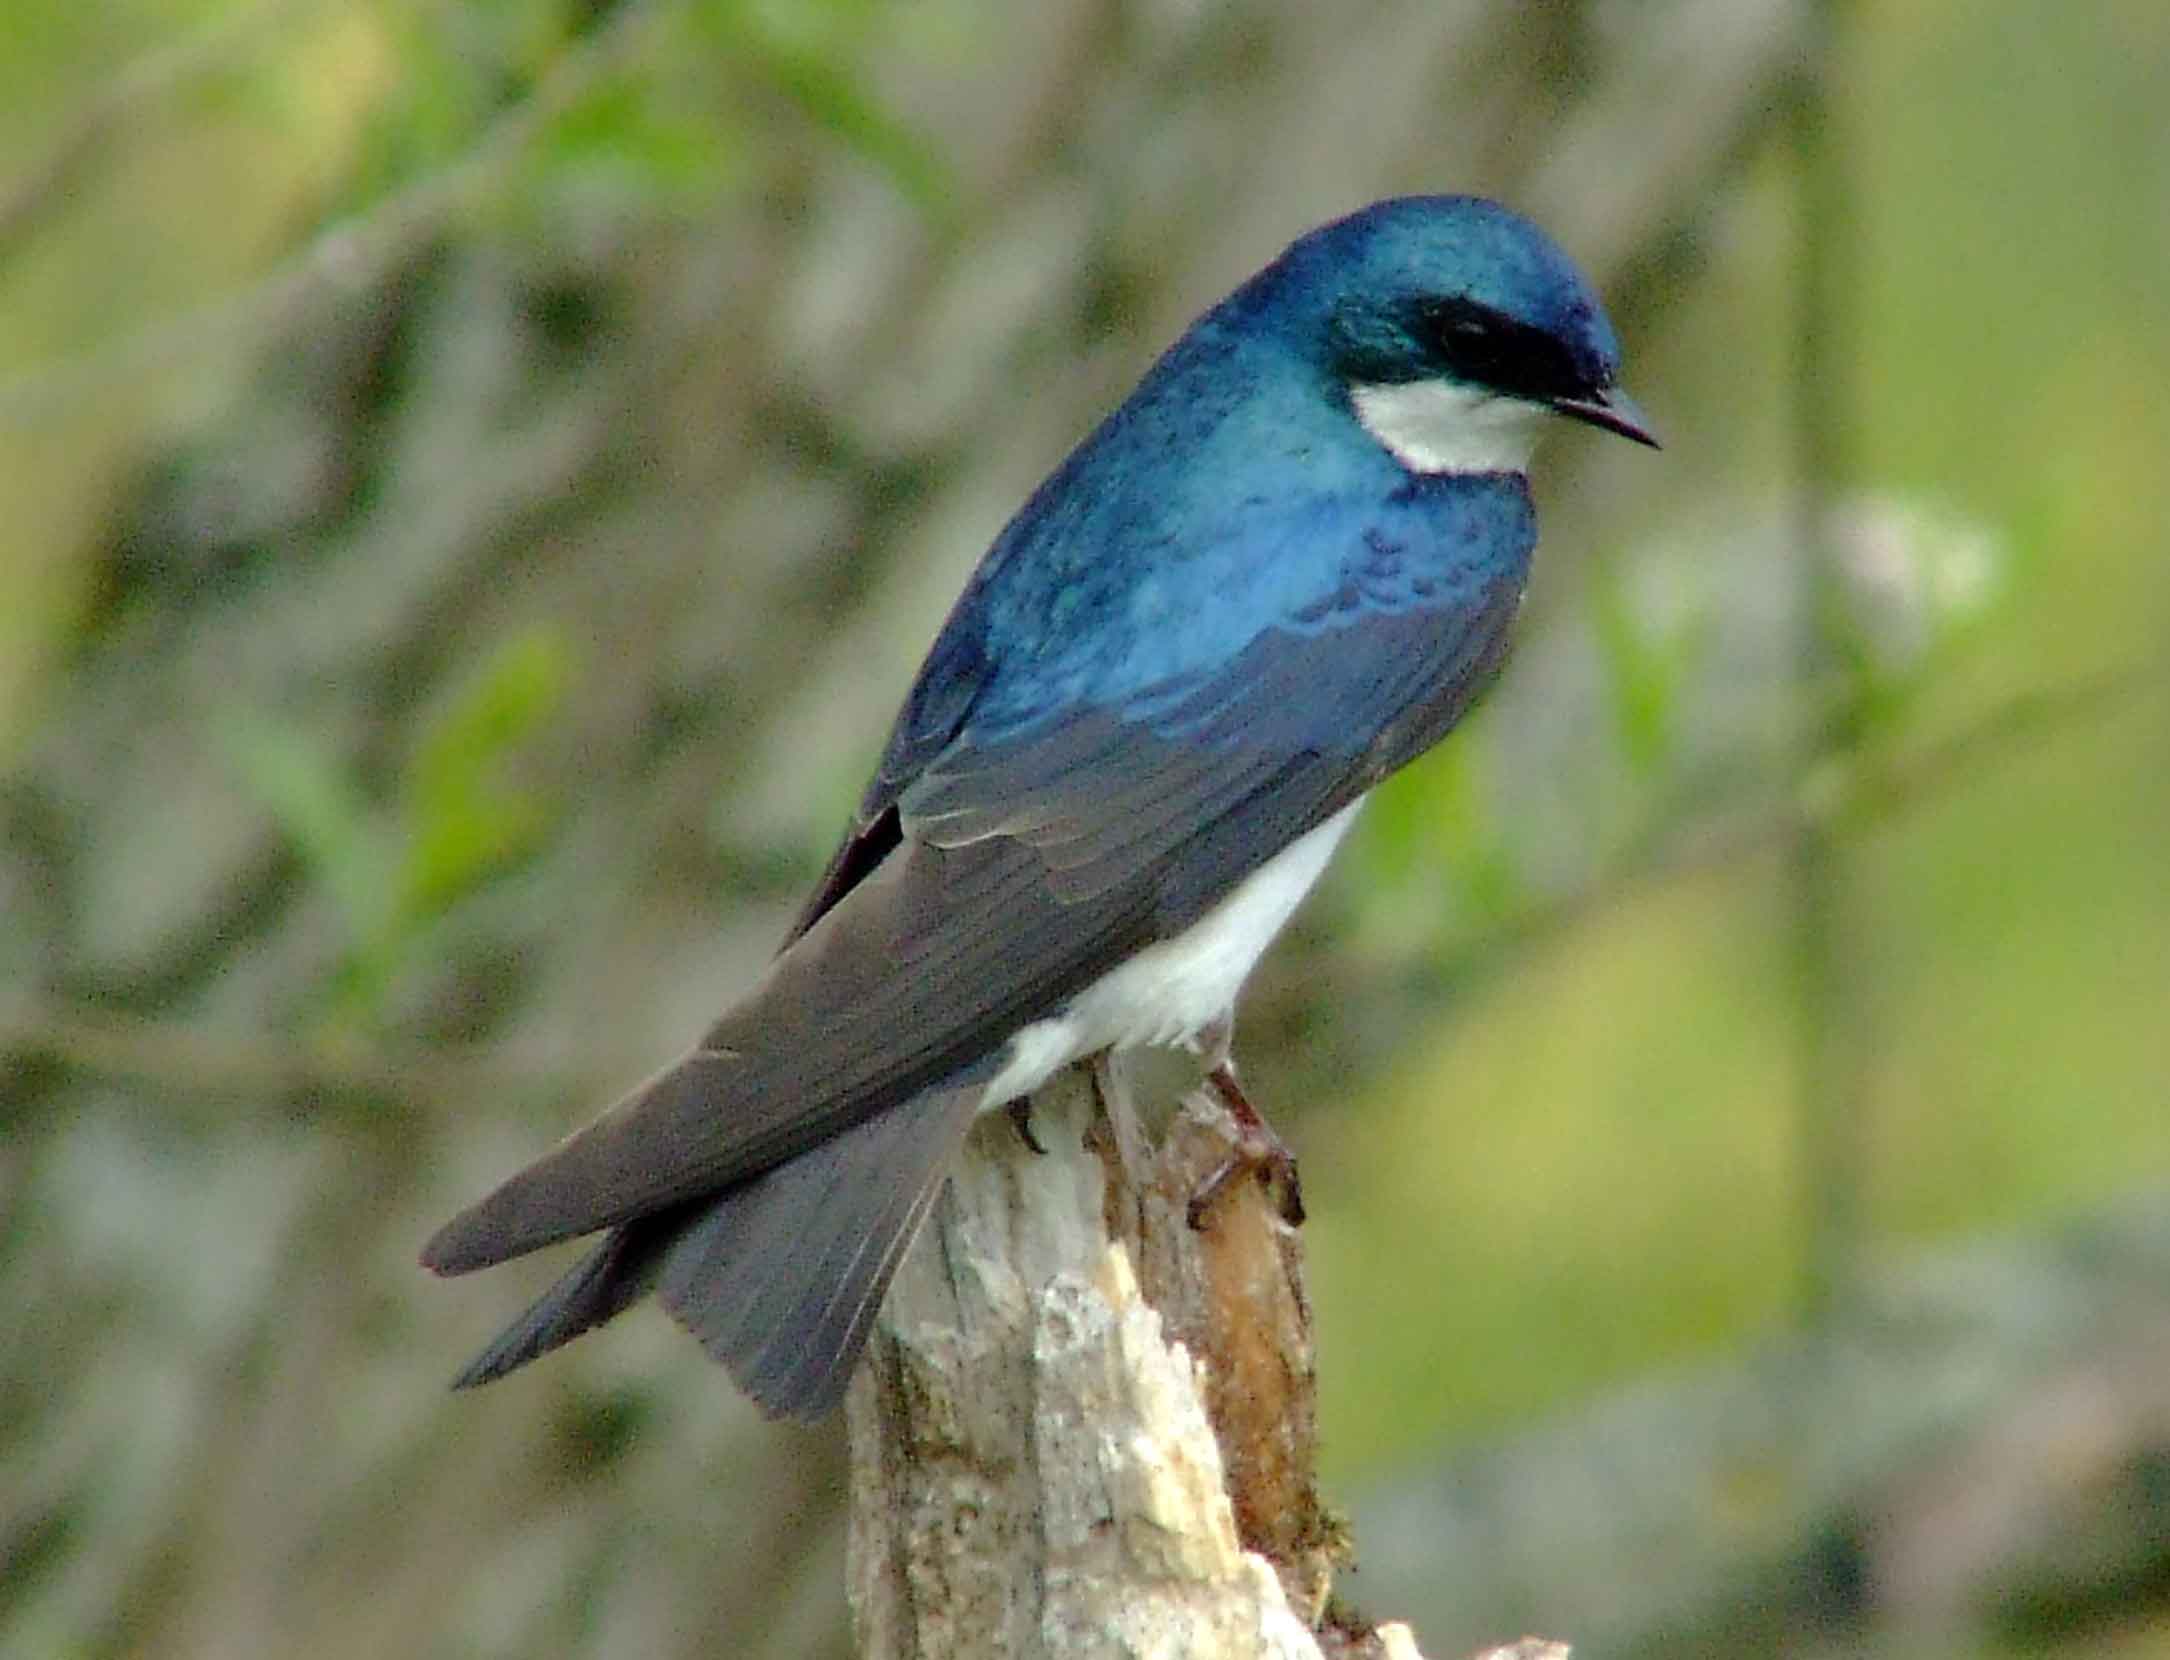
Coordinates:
779	1277
781	1281
602	1285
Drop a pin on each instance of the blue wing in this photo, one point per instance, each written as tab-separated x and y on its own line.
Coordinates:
1153	722
1008	856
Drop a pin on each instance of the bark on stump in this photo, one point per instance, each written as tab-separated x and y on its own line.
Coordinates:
1085	1428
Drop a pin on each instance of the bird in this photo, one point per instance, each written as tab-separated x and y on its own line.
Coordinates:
1283	568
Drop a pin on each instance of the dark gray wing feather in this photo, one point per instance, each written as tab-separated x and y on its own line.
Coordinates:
1025	868
780	1276
926	965
605	1283
781	1279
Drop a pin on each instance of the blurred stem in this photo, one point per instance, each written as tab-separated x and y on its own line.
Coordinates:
1831	1116
124	102
343	259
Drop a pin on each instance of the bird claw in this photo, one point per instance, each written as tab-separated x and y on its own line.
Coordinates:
1020	1111
1258	1151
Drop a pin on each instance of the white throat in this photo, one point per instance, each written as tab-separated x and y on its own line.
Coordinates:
1440	426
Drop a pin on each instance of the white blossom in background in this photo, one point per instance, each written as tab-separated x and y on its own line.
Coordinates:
1670	691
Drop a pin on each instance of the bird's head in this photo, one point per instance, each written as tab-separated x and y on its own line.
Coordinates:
1453	327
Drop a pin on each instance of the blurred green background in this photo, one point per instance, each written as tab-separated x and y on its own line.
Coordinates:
476	479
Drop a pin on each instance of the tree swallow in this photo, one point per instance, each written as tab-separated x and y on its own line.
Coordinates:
1284	568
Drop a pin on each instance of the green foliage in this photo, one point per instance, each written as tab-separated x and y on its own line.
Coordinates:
464	820
320	810
1595	1169
457	820
1436	856
664	128
457	65
638	141
807	52
1587	1168
1646	669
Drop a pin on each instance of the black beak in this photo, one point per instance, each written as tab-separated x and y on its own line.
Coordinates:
1613	410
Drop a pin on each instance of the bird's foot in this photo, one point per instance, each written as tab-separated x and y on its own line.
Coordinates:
1020	1111
1258	1151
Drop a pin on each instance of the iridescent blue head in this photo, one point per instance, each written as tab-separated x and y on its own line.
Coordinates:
1453	327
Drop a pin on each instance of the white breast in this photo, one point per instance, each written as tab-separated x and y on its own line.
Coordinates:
1170	992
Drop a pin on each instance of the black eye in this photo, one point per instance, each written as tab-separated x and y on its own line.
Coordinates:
1486	348
1474	345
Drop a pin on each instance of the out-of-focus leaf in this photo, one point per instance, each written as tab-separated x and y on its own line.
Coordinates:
1644	672
459	823
455	852
301	784
434	106
1465	831
526	36
629	136
1436	825
449	71
834	99
463	823
809	50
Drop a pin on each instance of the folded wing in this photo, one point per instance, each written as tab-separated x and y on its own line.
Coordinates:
1005	874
